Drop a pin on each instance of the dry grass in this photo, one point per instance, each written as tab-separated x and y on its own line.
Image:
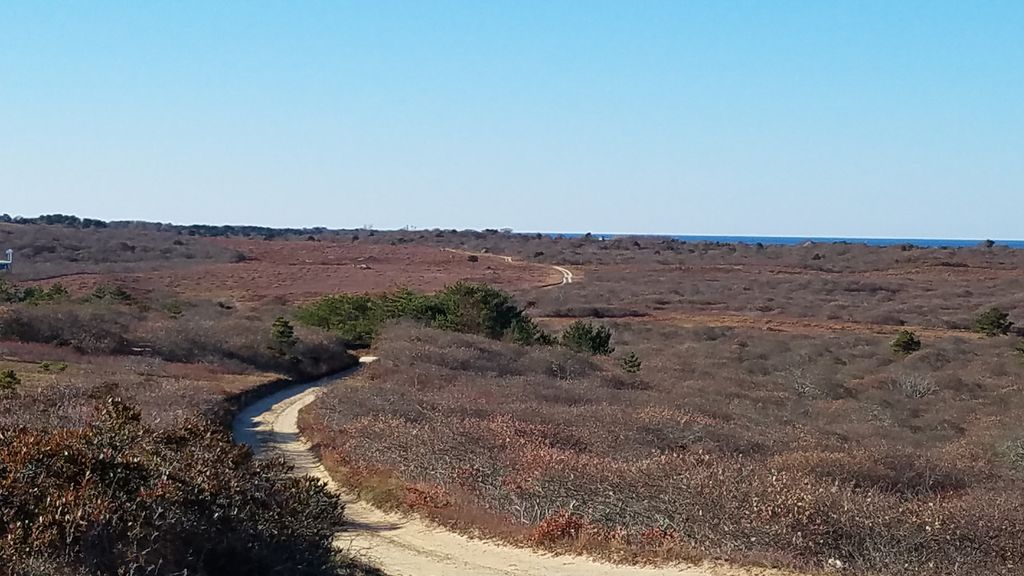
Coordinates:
770	422
892	286
154	263
895	292
837	283
166	393
52	251
157	488
176	330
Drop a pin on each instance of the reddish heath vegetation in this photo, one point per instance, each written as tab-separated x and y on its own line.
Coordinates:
118	497
800	451
114	458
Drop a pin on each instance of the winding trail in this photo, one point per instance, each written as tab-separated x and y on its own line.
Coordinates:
406	545
567	276
409	545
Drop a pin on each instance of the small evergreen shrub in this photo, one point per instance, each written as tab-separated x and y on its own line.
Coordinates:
993	322
53	367
583	336
630	363
174	308
111	293
905	343
1015	454
9	381
283	334
12	294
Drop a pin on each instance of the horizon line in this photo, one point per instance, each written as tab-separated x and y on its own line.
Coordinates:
512	230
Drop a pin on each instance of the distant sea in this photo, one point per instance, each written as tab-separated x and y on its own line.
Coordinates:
796	240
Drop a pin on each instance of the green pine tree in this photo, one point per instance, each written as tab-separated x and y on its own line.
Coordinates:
993	322
631	363
283	333
905	343
586	337
9	381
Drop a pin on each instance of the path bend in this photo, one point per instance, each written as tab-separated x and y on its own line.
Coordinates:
407	545
567	276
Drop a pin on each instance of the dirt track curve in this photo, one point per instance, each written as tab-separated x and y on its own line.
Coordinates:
567	276
404	545
408	545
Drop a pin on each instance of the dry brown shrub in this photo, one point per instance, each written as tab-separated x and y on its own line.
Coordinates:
557	528
419	496
118	497
711	458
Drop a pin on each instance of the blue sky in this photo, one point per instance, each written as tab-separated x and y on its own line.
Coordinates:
859	118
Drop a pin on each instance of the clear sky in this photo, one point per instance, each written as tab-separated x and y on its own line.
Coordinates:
829	118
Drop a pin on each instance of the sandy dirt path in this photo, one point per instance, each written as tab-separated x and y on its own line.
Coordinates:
567	277
403	545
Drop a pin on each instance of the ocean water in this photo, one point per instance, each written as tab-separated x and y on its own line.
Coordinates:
795	240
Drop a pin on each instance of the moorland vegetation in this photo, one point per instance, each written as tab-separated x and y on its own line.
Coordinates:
631	414
811	452
114	452
118	497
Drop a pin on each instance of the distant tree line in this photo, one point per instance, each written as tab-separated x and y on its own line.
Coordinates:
55	220
205	230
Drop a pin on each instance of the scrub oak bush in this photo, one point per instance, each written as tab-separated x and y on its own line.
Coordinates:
47	249
886	467
87	328
203	332
117	497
